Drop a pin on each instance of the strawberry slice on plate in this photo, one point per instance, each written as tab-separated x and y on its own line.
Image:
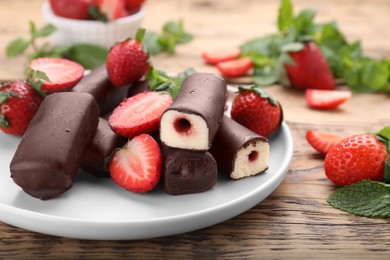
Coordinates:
217	56
326	99
235	68
323	141
137	166
62	73
139	114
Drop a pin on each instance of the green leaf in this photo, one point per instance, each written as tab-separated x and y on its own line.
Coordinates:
303	23
366	198
387	170
4	122
33	28
292	47
89	56
266	75
46	30
16	47
150	41
374	74
5	95
385	132
285	17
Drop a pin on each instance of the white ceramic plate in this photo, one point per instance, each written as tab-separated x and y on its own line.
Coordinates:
99	209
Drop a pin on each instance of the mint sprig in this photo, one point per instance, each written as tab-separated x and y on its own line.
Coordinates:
173	34
365	198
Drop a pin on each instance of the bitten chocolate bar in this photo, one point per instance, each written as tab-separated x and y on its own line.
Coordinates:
193	119
239	152
48	157
98	84
104	142
187	172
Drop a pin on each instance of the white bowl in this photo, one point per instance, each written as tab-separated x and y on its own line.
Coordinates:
72	31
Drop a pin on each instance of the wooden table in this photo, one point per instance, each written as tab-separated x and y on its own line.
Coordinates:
295	221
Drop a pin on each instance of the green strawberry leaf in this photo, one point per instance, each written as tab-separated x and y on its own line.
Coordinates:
366	198
35	78
89	56
285	17
4	122
5	95
387	170
16	47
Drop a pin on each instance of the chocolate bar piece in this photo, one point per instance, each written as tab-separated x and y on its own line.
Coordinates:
195	116
238	151
138	87
48	157
187	172
98	84
103	144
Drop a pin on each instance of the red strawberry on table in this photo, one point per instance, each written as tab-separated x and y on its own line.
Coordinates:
310	69
217	56
235	68
257	110
73	9
326	99
133	5
127	61
139	114
137	166
18	104
356	158
62	73
112	9
323	141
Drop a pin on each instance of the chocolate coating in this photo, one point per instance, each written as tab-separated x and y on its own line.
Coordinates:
97	83
187	172
203	94
103	144
138	87
48	157
231	137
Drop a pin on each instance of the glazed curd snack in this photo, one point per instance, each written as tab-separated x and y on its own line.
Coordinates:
193	119
187	172
48	157
238	151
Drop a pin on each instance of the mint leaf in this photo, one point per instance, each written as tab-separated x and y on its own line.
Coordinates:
366	198
385	132
285	17
89	56
46	30
150	41
303	23
266	75
16	47
292	47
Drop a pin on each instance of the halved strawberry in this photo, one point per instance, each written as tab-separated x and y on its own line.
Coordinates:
217	56
323	141
112	9
235	68
139	114
326	99
134	5
137	166
62	73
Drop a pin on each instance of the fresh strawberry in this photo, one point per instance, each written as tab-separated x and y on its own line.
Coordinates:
18	104
73	9
235	68
127	62
323	141
62	73
326	99
356	158
139	114
112	9
137	166
310	69
134	5
257	110
217	56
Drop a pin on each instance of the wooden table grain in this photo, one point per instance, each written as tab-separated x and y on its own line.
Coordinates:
295	221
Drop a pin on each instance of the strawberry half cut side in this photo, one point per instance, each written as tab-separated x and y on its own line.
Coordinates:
326	99
137	166
217	56
62	73
235	68
139	114
323	141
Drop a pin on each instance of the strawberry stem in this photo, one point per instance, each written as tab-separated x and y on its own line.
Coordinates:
140	34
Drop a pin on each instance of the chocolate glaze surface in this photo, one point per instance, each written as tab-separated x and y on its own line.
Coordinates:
138	87
230	138
203	94
187	172
104	142
97	83
48	157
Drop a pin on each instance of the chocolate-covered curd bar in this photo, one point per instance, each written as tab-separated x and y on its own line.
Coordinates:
48	157
239	152
193	119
